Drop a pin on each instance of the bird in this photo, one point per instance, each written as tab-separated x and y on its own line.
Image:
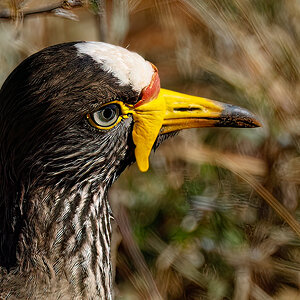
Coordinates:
73	116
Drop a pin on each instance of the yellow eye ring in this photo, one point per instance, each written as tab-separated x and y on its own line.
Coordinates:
108	116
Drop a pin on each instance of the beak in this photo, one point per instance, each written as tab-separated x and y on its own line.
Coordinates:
184	111
172	111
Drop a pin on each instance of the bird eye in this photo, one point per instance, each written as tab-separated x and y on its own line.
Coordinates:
106	117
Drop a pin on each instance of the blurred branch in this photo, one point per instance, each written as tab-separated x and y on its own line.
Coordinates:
136	255
205	154
179	262
272	201
229	162
259	294
242	284
100	8
66	4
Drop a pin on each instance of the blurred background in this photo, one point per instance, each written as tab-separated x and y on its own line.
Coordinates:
217	214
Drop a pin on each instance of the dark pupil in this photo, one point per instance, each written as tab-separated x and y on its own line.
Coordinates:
108	113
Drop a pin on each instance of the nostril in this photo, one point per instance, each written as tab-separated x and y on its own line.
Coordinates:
187	108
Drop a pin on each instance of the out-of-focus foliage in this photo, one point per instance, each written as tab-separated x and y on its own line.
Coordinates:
201	224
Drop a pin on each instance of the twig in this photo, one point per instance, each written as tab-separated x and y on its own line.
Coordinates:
66	4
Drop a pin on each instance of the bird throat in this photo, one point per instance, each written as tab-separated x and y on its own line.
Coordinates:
64	248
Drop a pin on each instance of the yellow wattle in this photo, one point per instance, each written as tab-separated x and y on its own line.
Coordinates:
148	120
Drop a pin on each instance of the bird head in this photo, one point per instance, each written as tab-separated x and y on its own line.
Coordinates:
75	115
86	110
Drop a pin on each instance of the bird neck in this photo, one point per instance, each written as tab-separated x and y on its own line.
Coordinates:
64	243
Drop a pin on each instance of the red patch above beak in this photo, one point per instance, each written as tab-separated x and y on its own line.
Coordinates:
151	91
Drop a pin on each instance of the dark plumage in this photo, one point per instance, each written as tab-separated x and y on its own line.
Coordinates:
49	153
56	169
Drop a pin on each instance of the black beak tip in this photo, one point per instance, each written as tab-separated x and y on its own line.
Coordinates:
235	116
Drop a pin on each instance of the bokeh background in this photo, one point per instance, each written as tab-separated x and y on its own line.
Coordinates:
217	214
